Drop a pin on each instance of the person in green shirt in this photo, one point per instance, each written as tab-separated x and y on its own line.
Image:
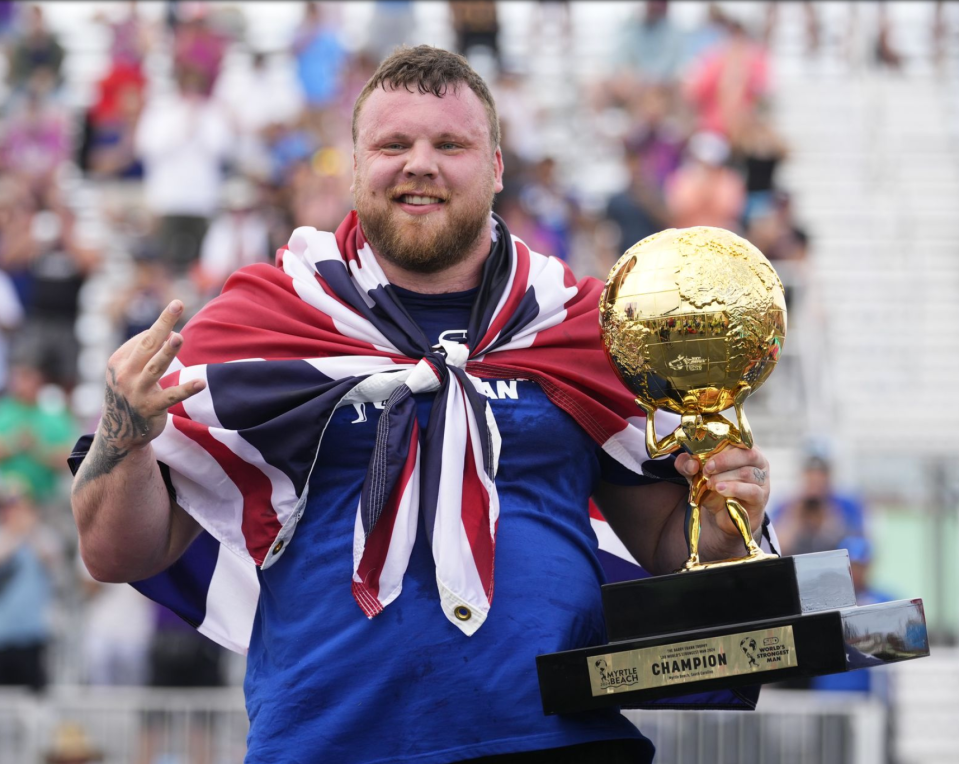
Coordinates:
35	440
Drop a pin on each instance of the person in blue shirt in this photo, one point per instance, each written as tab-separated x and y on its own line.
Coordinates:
324	682
818	517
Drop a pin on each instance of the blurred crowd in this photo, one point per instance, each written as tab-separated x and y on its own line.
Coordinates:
199	168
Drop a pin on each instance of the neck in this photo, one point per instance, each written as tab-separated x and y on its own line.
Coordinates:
466	274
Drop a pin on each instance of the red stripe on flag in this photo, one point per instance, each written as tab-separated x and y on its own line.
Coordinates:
260	525
367	603
476	520
594	512
378	542
516	293
170	380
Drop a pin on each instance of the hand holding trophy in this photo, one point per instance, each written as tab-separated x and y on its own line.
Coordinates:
694	320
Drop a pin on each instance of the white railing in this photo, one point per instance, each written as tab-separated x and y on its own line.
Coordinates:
154	726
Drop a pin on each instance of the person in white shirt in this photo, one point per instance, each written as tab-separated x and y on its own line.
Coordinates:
183	140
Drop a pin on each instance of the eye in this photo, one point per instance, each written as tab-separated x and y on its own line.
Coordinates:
448	146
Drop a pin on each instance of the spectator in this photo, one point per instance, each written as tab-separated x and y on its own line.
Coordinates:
198	51
37	49
117	629
113	123
552	209
130	38
257	97
35	439
657	136
183	140
58	268
476	25
638	210
704	191
712	33
320	57
35	143
11	316
28	555
135	308
651	47
818	518
17	207
393	24
760	150
238	236
726	83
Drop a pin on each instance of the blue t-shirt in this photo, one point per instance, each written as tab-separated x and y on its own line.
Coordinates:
324	683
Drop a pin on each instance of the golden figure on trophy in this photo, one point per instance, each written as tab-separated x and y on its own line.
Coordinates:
694	320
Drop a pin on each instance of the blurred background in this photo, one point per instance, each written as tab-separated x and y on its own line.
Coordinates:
149	149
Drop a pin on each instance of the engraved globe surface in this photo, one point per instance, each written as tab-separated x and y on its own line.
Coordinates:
691	315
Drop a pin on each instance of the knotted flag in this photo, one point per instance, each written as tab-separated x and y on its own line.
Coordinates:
283	347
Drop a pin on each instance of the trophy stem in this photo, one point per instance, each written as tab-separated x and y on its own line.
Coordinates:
737	513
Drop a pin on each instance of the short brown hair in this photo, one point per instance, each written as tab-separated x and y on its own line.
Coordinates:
431	70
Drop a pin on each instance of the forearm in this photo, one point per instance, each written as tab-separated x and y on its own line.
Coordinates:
129	527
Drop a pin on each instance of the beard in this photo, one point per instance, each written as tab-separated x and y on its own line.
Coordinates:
421	244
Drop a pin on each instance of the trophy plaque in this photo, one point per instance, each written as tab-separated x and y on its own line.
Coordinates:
694	320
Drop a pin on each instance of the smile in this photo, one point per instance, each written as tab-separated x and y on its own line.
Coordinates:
419	200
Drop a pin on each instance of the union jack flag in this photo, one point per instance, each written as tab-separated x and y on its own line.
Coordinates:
283	347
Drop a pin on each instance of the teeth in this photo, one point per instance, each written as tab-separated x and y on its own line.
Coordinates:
408	199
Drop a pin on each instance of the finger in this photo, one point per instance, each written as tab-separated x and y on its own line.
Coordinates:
750	495
179	393
730	459
149	342
748	474
687	465
158	365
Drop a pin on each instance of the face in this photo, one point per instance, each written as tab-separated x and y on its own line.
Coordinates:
424	176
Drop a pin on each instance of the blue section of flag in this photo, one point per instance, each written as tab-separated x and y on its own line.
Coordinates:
184	585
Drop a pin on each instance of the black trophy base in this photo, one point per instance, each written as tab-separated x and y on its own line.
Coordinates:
803	622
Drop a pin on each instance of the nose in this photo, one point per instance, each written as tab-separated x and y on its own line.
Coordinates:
421	160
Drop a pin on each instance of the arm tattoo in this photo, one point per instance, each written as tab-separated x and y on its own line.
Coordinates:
120	423
760	475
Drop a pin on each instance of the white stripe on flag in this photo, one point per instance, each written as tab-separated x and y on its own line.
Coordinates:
231	602
353	366
403	538
199	407
456	573
213	500
628	446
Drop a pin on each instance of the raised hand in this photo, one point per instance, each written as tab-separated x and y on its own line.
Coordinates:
135	406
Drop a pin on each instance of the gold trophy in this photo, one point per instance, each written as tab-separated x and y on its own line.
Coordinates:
693	320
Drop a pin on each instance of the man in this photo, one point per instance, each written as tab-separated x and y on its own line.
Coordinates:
437	673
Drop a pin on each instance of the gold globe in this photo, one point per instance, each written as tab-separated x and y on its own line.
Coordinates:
690	316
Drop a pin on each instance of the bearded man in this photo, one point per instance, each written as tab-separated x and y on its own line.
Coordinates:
494	419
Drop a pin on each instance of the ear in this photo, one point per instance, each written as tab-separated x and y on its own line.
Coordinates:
498	170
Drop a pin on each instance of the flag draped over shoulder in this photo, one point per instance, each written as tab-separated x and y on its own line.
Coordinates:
282	347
